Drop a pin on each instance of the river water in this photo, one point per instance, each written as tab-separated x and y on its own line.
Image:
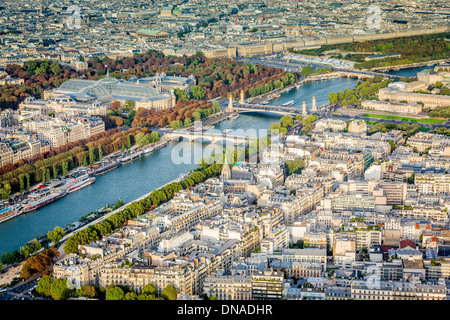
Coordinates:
137	178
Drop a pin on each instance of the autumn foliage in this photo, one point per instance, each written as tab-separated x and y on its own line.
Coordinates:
39	262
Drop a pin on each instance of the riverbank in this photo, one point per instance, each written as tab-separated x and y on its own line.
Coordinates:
407	66
18	202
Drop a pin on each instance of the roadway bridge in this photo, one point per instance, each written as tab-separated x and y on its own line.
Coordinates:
353	73
204	136
255	107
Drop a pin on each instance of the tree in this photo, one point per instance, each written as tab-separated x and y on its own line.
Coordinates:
91	156
150	289
131	296
392	144
55	171
27	176
21	183
128	105
114	293
306	71
275	127
197	92
154	136
115	106
44	286
169	293
197	116
216	106
100	152
142	138
181	95
56	235
31	65
287	121
295	166
128	142
146	297
59	290
6	190
8	258
55	68
438	84
38	263
87	291
333	97
176	124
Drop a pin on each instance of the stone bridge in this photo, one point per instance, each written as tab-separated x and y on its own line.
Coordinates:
204	136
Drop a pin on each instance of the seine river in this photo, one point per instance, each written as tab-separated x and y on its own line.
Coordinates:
137	178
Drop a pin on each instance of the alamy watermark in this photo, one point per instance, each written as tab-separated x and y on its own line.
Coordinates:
74	21
373	21
73	282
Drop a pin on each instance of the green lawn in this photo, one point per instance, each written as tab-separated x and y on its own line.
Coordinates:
383	116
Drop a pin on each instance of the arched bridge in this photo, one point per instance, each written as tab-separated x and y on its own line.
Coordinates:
360	74
254	107
212	137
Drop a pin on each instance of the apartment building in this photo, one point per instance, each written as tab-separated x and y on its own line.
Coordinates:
60	131
422	212
425	140
358	126
179	276
332	124
301	263
395	192
361	290
436	269
315	240
367	238
267	285
6	154
432	183
181	213
228	287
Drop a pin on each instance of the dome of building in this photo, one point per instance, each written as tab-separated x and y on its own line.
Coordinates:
108	83
95	90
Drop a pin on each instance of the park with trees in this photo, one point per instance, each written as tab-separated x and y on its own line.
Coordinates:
366	90
412	49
